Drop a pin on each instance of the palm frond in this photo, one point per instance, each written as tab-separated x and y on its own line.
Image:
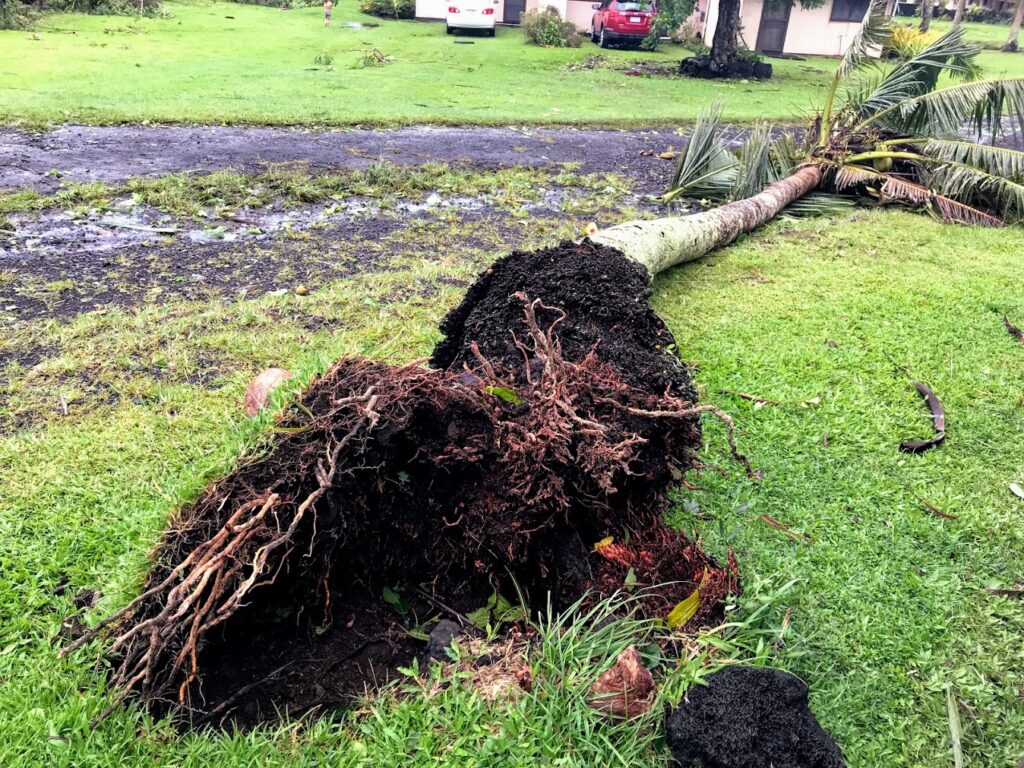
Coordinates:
918	75
982	104
820	204
757	168
949	210
1008	163
873	36
705	166
853	176
972	185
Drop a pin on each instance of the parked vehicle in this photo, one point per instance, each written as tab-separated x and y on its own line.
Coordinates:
471	14
622	21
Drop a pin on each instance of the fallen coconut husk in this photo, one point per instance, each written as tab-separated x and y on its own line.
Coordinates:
554	419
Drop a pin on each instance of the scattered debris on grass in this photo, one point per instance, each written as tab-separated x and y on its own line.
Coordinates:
788	532
1013	330
758	401
626	689
1016	490
932	508
1006	591
750	718
939	417
258	392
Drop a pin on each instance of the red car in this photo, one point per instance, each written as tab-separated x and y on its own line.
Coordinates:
622	21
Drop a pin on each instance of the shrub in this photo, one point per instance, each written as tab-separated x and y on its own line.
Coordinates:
281	3
389	9
14	14
549	29
908	41
107	7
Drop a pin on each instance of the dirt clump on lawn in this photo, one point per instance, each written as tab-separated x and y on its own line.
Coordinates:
555	417
750	718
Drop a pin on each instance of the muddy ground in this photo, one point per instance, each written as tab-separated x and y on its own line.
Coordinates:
57	264
43	161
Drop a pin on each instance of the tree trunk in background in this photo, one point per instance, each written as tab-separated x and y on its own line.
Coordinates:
727	33
926	14
1018	17
663	243
961	8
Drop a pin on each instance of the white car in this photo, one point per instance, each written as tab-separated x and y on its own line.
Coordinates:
471	14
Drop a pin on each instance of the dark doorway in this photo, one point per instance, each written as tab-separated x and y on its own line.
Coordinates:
771	34
513	10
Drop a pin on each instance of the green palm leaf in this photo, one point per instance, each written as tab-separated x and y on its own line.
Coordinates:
757	168
918	75
976	186
705	167
998	160
983	104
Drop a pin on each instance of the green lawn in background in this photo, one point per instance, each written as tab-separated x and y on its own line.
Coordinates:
832	319
260	66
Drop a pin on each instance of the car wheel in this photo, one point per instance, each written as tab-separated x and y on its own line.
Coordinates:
491	32
603	40
447	29
593	33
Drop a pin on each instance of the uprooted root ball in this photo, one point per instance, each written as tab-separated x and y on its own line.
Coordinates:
393	494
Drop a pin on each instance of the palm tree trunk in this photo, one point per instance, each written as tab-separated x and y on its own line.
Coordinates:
663	243
961	8
1018	17
926	15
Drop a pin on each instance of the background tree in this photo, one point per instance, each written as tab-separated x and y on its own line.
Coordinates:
926	14
1018	17
961	9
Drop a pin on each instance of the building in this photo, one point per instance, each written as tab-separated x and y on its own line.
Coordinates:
769	26
782	27
509	11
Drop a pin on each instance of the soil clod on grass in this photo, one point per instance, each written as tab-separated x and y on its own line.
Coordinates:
557	415
750	718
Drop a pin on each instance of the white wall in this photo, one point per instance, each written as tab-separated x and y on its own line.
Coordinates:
810	32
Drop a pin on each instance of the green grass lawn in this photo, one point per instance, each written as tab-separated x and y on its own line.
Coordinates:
888	608
231	63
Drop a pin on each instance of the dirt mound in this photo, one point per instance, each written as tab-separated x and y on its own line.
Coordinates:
750	718
393	496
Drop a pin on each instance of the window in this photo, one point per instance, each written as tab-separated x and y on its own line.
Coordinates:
848	10
634	6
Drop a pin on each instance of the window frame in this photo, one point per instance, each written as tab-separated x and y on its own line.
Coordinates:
833	17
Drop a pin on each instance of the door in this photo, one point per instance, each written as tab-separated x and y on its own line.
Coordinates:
513	10
771	34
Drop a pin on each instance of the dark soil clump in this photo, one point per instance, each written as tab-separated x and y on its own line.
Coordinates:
750	718
555	417
738	69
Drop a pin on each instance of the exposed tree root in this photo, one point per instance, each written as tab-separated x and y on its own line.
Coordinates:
499	473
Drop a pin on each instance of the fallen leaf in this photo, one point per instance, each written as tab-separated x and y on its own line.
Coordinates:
262	385
1013	330
1017	491
939	417
683	611
626	689
787	531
